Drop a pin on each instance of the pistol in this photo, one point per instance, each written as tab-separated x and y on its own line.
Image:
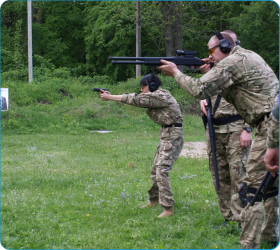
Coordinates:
98	89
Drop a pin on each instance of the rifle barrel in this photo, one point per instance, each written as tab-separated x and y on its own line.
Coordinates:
128	62
140	58
155	61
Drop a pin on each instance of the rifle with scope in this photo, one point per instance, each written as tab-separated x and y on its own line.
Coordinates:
184	57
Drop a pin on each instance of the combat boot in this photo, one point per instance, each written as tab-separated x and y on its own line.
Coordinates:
167	212
239	226
150	204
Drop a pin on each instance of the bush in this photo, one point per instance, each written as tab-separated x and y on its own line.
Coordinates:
69	105
15	75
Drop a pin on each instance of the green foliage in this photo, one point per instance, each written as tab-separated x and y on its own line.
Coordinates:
59	32
15	75
18	60
69	105
110	30
258	29
79	36
6	59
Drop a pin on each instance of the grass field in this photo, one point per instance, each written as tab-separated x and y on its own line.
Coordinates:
66	187
69	191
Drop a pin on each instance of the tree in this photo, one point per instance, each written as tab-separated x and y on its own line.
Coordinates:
257	25
13	40
58	32
138	35
110	31
172	19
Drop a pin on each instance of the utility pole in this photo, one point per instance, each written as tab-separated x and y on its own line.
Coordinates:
29	21
138	36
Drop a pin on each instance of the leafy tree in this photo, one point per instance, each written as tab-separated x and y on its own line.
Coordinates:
257	25
58	32
82	35
18	60
13	40
110	31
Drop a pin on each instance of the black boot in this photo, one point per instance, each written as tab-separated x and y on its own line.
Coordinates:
239	226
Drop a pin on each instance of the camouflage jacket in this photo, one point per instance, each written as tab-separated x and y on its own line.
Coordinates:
273	126
161	106
224	110
243	78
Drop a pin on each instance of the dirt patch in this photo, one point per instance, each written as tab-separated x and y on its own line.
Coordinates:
194	150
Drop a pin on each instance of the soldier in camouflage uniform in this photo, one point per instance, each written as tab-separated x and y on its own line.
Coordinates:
272	153
233	140
244	79
231	157
164	110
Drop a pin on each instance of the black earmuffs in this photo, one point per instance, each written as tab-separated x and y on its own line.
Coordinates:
153	85
224	44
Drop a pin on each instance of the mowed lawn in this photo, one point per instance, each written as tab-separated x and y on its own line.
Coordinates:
65	191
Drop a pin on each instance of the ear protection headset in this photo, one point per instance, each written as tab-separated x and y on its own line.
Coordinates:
153	85
224	44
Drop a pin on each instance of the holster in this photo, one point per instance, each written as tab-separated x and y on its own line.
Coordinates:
243	194
244	190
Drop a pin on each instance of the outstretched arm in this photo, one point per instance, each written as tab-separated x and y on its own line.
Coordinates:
106	95
168	68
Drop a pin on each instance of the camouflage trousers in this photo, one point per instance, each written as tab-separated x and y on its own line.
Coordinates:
231	161
253	228
168	151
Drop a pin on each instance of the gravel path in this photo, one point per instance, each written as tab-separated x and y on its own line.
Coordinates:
194	150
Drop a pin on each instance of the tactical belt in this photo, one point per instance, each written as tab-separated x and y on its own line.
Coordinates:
172	125
226	120
244	190
274	192
250	198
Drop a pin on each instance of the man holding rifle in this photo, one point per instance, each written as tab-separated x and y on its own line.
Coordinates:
233	142
244	79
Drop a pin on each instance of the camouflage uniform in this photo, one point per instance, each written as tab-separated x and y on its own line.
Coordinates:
164	110
244	79
273	126
231	160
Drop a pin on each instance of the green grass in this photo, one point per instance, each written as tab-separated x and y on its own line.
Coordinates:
66	187
68	191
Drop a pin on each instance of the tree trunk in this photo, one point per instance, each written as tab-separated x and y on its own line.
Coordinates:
168	21
173	31
178	30
138	36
